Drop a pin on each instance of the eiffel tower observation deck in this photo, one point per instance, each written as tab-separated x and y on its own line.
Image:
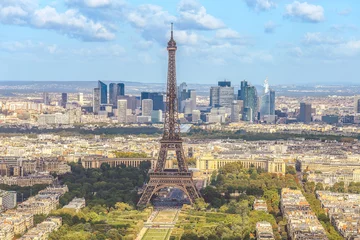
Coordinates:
180	178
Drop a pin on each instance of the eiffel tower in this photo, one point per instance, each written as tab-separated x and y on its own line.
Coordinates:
160	178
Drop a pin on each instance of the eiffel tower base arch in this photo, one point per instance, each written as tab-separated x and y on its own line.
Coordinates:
182	181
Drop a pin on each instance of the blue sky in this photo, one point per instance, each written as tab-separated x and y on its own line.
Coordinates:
290	42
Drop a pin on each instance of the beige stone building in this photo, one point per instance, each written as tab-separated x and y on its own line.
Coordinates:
209	163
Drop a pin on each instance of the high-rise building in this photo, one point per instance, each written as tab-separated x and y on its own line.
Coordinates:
122	110
267	108
64	99
156	116
241	92
103	92
235	111
116	90
222	96
357	105
305	113
188	107
224	83
192	96
195	117
147	107
250	109
81	98
156	97
46	98
96	100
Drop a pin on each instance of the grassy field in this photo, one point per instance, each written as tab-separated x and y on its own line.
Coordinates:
157	234
166	216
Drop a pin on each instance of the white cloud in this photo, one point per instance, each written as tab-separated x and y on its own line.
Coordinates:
345	12
114	50
143	45
183	37
319	38
28	46
305	12
71	23
227	34
53	48
260	5
152	21
145	58
16	11
194	16
269	27
296	52
95	3
343	27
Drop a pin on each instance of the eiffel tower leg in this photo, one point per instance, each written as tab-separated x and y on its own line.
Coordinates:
146	196
180	156
160	164
192	192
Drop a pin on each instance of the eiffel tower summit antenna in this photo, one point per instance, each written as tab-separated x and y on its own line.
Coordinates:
180	178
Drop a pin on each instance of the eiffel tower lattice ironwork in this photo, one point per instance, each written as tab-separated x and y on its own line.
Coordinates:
171	140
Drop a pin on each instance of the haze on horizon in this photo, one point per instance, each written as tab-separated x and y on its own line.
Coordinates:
290	42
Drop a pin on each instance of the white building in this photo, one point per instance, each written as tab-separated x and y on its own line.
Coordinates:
156	116
147	107
7	199
235	111
81	98
122	110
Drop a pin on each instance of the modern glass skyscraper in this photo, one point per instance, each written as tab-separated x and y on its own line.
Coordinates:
267	106
305	113
222	96
250	104
241	92
46	98
64	99
158	99
224	83
103	92
357	105
116	90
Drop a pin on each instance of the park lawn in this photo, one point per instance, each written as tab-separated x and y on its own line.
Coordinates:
165	216
157	234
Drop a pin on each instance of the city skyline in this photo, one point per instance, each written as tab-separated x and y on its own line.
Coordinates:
90	40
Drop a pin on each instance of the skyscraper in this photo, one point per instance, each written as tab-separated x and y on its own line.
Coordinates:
116	90
81	98
96	100
103	92
64	99
250	109
46	98
357	105
305	113
158	99
267	108
235	111
122	110
184	95
241	92
224	83
222	96
147	107
192	96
